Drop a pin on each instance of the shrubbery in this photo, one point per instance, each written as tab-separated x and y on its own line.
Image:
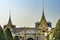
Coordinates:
2	36
56	32
16	38
6	34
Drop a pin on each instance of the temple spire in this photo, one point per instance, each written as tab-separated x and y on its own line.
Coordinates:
43	16
43	21
9	21
43	27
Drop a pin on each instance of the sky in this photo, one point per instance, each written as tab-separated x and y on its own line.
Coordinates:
24	13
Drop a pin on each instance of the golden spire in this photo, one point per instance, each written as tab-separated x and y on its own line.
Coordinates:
43	19
9	24
43	16
9	21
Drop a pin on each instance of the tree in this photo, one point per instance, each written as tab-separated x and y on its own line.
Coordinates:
56	32
2	36
8	34
16	38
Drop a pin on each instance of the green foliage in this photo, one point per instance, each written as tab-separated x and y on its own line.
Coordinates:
2	37
8	34
16	38
56	32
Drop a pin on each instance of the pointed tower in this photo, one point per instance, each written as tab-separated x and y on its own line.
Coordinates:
9	24
43	26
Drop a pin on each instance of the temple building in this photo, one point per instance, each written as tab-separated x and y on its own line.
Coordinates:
40	32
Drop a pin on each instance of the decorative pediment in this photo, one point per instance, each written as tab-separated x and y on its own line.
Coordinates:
30	31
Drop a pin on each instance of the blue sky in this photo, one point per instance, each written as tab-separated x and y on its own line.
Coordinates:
27	12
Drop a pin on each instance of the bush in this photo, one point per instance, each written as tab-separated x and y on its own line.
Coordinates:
8	34
16	38
2	37
56	32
